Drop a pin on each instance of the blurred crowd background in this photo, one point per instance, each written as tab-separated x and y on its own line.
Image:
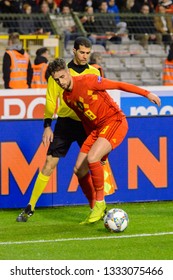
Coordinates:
129	34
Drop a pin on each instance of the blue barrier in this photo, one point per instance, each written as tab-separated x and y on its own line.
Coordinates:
141	165
133	105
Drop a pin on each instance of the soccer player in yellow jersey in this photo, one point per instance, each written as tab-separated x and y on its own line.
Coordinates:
68	128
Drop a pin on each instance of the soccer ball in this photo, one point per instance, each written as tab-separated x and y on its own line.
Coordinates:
116	220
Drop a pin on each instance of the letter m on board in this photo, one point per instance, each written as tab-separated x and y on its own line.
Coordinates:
12	160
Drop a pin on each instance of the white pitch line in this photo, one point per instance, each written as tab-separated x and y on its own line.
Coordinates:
86	238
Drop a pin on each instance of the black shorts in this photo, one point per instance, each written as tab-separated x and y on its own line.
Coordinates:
66	132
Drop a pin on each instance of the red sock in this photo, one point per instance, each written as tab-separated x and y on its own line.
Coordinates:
97	175
88	189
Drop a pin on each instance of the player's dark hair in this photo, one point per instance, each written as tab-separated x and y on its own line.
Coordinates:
82	41
56	65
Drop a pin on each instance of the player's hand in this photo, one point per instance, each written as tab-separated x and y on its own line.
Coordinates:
47	136
154	98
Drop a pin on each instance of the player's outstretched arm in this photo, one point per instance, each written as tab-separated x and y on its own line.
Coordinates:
154	98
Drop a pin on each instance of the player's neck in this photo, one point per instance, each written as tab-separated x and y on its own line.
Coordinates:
70	85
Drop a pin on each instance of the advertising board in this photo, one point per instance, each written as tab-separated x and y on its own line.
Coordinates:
29	104
141	165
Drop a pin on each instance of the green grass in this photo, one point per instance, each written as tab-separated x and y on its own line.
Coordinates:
55	234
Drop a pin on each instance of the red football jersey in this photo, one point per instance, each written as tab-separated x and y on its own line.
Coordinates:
93	105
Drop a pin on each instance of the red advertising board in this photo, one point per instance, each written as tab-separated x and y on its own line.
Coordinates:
22	104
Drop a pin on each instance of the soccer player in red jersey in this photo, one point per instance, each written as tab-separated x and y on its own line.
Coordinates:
103	120
68	129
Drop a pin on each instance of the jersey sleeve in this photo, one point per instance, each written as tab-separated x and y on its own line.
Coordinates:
52	94
99	83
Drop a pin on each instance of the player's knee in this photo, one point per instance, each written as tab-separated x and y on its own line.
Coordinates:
92	158
80	172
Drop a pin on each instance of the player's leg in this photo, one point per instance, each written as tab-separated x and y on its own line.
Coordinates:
96	149
108	139
84	178
99	149
85	181
109	183
57	149
43	179
39	186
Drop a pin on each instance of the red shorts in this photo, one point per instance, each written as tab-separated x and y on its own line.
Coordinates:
114	132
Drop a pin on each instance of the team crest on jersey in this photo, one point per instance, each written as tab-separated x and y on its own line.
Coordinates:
99	79
80	105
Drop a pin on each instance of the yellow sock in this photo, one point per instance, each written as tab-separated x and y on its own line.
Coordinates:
38	189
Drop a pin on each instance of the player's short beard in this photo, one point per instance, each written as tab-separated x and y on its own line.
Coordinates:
68	87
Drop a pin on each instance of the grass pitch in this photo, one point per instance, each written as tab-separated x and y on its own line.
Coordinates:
55	234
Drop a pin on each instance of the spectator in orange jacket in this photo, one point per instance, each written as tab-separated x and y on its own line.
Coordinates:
16	68
40	73
167	77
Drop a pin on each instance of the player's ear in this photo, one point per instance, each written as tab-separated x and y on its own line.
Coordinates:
74	50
